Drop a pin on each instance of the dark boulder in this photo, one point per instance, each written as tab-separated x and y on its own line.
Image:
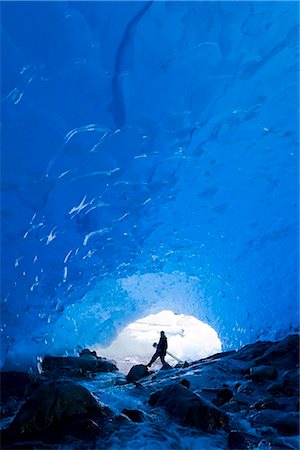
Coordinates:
238	440
252	351
136	373
283	354
185	382
283	388
87	353
83	429
242	399
248	387
135	415
17	385
180	365
263	373
231	407
53	406
218	356
267	401
189	408
287	442
292	377
76	366
223	396
286	423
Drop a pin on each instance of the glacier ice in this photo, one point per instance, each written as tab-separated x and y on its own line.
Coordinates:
149	162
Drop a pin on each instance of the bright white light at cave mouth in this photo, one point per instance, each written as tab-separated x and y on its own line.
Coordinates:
189	339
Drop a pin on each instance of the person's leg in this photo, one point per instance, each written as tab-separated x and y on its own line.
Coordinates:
154	358
162	358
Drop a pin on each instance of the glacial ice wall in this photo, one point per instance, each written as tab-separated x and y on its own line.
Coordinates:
149	162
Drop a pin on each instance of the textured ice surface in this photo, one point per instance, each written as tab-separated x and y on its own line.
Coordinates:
149	162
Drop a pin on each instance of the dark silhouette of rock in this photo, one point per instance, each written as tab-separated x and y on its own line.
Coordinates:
218	356
243	399
292	377
181	365
238	440
54	405
283	388
18	385
122	419
87	353
223	396
267	404
84	429
185	383
252	351
285	423
189	408
76	366
286	442
135	415
263	373
248	387
231	407
283	354
136	373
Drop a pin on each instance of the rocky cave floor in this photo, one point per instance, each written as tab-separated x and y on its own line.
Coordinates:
244	399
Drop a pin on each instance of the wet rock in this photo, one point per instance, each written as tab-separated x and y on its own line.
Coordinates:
55	405
189	408
286	424
263	402
84	429
283	354
223	396
282	388
240	440
269	404
24	445
209	393
135	415
263	373
136	373
286	442
185	383
123	419
231	407
218	355
252	351
268	401
276	388
9	408
292	377
76	366
182	365
87	353
267	432
247	387
242	399
291	380
17	385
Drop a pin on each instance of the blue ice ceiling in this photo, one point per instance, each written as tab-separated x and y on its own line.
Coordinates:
149	162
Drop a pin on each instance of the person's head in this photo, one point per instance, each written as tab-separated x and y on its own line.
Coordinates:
162	333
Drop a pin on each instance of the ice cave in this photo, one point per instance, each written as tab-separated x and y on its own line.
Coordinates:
148	162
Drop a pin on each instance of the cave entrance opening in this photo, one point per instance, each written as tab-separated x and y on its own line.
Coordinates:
189	339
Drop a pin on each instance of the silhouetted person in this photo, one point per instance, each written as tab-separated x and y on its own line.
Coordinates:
161	349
